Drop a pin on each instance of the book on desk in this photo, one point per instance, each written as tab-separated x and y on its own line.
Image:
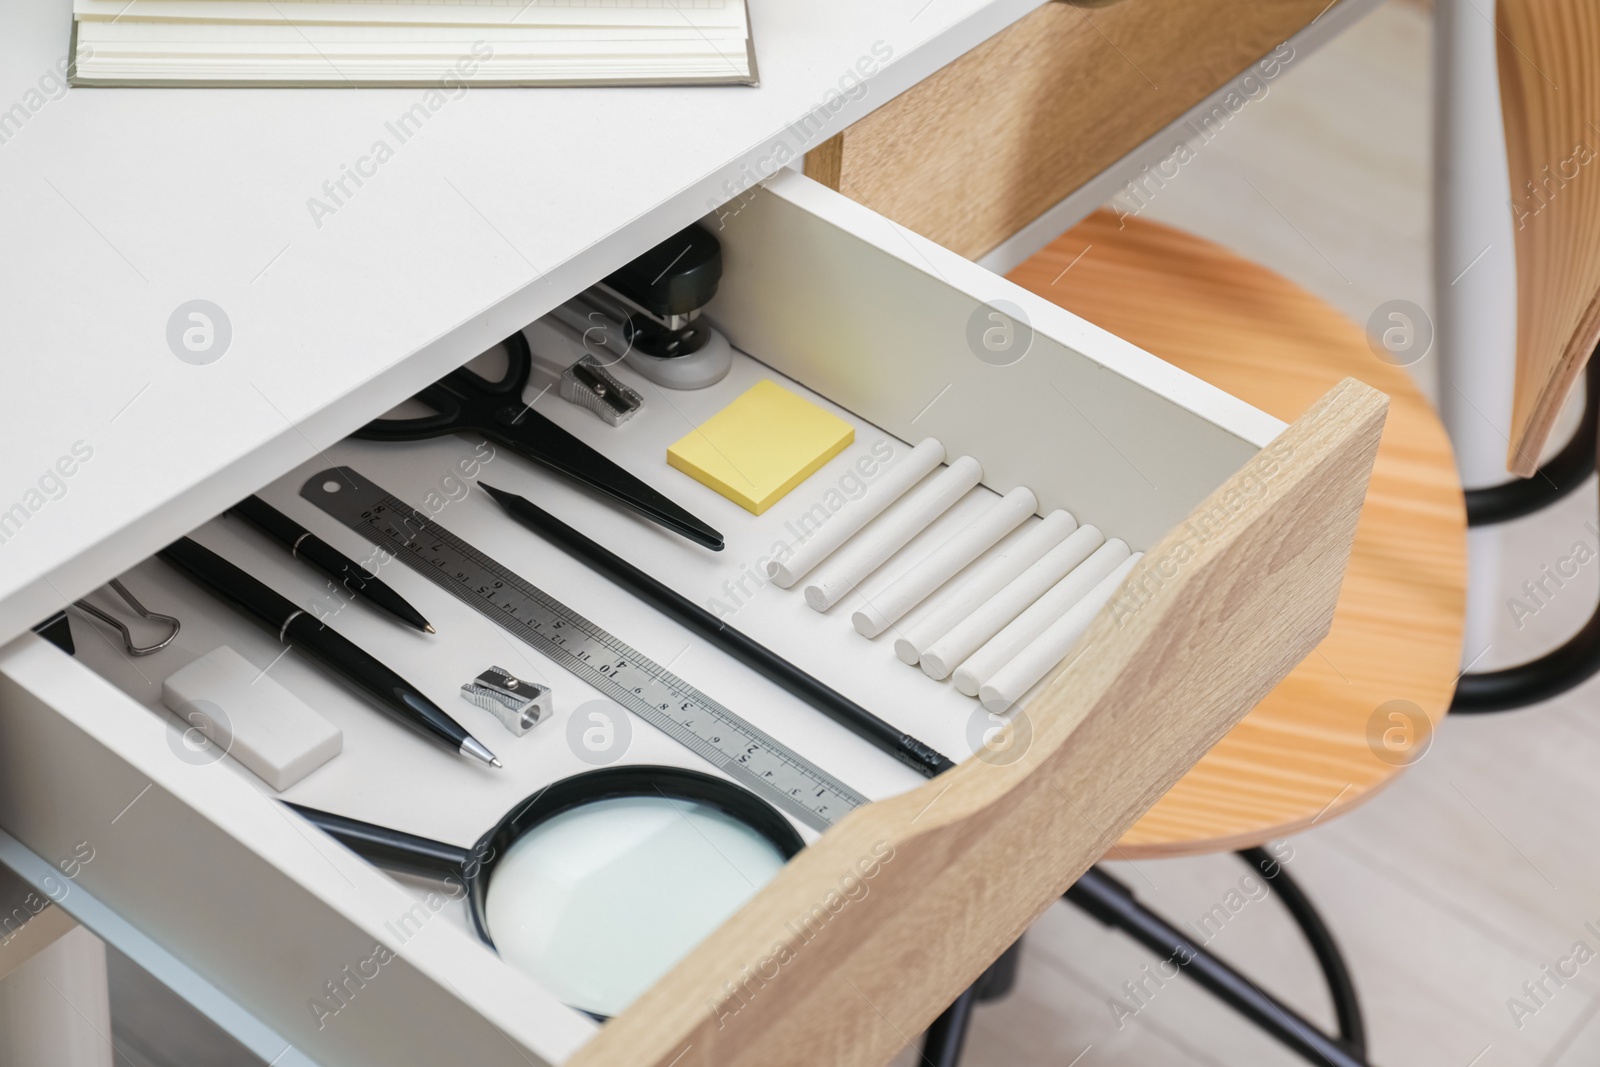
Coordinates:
369	43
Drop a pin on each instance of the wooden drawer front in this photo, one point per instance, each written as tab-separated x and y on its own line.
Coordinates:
1246	525
975	152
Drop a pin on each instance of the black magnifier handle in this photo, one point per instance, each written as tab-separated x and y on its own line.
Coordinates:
392	850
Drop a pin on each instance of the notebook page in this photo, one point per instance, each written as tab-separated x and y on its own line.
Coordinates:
704	14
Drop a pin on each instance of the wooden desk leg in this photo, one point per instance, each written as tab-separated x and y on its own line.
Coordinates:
56	1008
23	935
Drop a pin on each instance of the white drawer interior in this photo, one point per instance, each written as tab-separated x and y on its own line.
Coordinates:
827	298
880	320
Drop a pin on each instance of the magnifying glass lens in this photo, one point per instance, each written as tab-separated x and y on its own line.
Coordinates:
600	901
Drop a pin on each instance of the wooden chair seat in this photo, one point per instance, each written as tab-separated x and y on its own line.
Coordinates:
1311	749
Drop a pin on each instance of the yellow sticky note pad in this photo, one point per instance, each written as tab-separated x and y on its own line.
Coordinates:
761	446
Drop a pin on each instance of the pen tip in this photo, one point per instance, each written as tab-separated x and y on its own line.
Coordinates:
479	751
428	628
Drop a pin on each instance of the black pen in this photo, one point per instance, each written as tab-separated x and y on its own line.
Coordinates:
305	545
397	696
829	701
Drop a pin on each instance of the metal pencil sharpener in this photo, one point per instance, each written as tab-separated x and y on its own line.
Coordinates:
588	384
518	704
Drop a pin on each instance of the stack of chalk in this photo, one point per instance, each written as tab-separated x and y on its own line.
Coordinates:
1001	624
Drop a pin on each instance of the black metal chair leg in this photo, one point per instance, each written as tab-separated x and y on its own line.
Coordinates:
1341	987
1578	660
942	1045
1001	977
1112	903
947	1036
1566	471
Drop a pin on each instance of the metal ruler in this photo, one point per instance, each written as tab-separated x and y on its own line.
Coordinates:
628	677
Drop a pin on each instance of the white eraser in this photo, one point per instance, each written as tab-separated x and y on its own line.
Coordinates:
252	718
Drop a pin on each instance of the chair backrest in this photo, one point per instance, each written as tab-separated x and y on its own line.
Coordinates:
1550	101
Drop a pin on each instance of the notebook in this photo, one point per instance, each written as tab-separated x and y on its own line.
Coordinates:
427	43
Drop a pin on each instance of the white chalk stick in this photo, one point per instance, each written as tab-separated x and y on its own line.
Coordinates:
890	532
1000	649
890	486
249	716
968	543
1044	652
985	581
950	649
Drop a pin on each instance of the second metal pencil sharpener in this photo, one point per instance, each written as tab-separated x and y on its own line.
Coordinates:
519	705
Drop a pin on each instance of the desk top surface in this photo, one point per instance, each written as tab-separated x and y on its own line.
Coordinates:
357	243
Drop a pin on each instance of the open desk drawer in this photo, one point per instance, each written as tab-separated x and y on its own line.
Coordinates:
1245	524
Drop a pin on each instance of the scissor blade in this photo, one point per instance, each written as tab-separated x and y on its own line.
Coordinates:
537	438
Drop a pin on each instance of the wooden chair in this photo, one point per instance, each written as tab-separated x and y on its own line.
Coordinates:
1227	322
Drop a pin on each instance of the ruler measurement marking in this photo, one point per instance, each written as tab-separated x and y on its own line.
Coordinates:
582	647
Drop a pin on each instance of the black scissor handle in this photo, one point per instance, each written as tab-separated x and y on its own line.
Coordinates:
519	364
454	397
446	413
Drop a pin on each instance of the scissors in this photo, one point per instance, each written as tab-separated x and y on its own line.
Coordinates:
466	402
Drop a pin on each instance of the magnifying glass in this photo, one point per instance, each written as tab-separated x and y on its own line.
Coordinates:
598	884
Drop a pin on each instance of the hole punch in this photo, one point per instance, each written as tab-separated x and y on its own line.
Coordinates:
144	613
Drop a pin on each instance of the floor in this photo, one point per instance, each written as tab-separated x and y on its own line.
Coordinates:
1470	875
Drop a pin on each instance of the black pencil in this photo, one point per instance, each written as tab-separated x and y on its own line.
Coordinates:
829	701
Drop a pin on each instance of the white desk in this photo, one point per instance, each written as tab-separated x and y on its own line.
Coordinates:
122	204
